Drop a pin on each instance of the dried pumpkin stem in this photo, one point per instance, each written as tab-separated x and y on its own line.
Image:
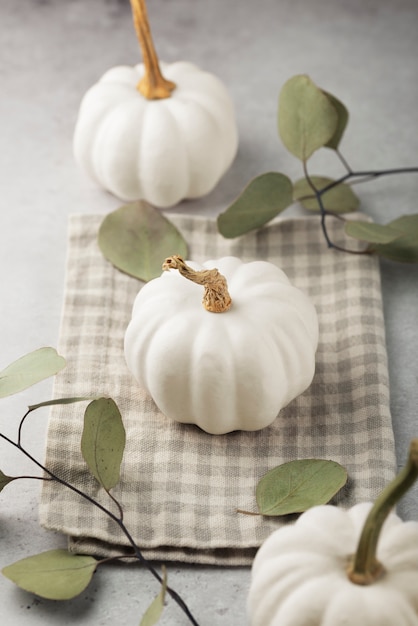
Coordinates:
365	568
153	85
216	298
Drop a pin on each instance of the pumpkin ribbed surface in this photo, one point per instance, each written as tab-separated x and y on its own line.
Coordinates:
299	574
223	371
159	150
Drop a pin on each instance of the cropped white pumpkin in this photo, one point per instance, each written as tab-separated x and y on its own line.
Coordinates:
299	574
223	371
162	150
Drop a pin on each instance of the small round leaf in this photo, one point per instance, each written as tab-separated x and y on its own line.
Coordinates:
307	120
298	485
136	238
264	197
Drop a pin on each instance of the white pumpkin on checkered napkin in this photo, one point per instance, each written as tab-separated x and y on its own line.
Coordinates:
233	363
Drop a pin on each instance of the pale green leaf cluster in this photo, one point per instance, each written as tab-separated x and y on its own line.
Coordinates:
309	119
58	574
136	238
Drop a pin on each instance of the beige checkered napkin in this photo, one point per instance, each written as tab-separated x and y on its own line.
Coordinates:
180	487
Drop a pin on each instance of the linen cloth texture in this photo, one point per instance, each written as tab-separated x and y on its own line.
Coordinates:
180	488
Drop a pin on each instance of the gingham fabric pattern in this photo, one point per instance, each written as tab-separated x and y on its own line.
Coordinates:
180	488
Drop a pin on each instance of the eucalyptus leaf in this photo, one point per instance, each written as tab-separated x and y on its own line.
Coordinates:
5	480
342	114
55	575
307	120
405	247
298	485
371	232
338	199
153	613
29	370
264	197
136	238
103	441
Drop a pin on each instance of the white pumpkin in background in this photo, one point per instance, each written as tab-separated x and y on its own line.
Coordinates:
222	366
335	567
162	139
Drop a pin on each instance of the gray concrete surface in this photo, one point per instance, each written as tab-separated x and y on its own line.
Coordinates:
363	51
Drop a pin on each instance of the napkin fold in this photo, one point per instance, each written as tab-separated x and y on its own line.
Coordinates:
180	488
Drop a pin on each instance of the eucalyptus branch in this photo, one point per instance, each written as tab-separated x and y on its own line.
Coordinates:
117	504
365	176
387	172
318	195
118	520
351	177
310	119
24	477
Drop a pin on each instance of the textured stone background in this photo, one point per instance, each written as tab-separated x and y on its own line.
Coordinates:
363	51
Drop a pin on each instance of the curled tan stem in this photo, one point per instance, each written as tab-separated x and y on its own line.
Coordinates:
216	298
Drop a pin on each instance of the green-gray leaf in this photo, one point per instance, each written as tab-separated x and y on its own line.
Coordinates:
137	238
264	197
371	232
55	575
154	611
103	441
5	480
307	120
298	485
405	247
29	370
338	199
342	114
